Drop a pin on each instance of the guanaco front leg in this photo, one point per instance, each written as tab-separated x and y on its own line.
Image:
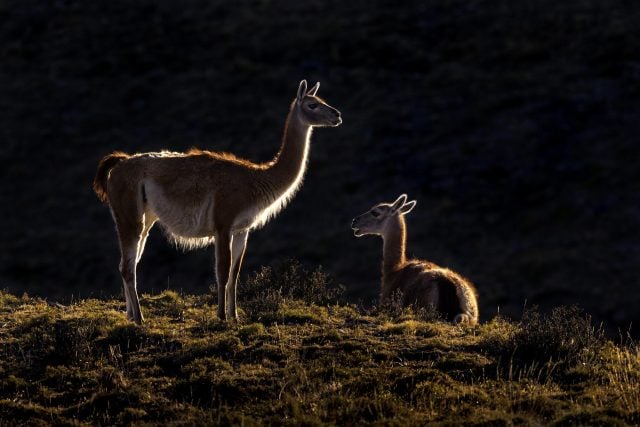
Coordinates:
223	267
238	246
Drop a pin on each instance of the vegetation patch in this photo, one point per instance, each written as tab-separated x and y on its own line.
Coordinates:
306	363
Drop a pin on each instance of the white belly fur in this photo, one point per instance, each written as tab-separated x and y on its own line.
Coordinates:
190	226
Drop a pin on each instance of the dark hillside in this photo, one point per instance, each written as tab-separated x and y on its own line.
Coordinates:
514	124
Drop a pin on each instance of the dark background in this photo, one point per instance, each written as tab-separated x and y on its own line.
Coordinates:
514	125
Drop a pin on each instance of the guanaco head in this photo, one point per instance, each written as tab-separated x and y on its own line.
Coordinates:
313	110
376	219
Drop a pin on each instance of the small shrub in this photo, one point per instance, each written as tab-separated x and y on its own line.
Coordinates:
264	293
548	345
8	300
264	305
396	309
393	306
566	334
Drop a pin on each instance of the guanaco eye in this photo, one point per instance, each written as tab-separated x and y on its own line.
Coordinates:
375	214
312	106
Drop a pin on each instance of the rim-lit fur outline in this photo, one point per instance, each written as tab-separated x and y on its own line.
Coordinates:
202	197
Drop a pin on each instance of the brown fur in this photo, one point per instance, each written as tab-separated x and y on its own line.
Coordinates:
415	277
224	156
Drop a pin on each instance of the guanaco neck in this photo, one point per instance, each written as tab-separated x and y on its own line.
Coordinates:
288	167
394	242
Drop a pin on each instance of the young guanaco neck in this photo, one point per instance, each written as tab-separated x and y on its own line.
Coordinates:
289	165
394	244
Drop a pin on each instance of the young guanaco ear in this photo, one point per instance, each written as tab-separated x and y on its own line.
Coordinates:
302	90
314	90
399	202
407	207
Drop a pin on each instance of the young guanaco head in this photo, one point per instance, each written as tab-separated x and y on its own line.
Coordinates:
313	110
376	219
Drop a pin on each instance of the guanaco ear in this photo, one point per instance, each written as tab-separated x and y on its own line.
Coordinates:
408	207
302	90
399	202
313	90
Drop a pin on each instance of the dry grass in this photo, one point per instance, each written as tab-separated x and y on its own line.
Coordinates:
305	364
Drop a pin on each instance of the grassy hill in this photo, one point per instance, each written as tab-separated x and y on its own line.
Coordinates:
299	358
514	124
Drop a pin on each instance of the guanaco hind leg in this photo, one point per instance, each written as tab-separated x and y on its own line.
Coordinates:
128	263
129	266
132	232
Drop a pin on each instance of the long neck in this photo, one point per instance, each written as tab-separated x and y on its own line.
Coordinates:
287	169
393	251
